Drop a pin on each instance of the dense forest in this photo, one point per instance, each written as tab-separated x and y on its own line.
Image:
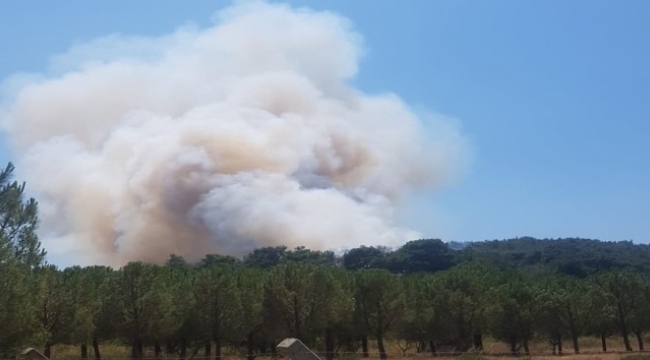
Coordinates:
427	295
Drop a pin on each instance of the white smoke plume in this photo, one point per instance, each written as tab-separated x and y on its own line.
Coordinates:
220	140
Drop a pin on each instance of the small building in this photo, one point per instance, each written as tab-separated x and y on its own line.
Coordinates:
31	354
296	350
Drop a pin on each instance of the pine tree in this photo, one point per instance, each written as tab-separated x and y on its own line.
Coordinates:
18	222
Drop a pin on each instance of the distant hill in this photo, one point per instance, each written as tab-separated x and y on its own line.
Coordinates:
571	256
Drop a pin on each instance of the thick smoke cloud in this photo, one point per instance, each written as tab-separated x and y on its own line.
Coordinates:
220	140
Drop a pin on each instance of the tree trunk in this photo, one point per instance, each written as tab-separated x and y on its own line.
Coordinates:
432	347
603	341
559	344
576	345
157	350
84	351
169	348
329	344
364	346
183	351
141	348
296	317
136	349
626	338
216	331
623	328
96	348
217	347
513	344
639	339
381	348
478	341
250	351
463	341
48	350
263	347
524	341
207	349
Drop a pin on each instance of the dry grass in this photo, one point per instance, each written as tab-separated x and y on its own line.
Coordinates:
584	356
108	351
589	346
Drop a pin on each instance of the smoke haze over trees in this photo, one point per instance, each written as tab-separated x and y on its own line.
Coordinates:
521	291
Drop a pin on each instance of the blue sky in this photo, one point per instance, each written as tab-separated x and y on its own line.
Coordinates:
554	97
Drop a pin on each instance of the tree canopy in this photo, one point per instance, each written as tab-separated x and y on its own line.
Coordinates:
18	222
425	295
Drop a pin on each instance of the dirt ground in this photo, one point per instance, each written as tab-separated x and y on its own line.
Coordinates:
590	350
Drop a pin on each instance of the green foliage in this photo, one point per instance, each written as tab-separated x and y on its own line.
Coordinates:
622	297
463	297
80	321
216	259
51	305
425	255
266	257
364	257
20	253
17	309
144	304
218	305
563	308
303	299
571	256
18	221
304	255
379	303
249	307
423	292
513	312
249	328
269	256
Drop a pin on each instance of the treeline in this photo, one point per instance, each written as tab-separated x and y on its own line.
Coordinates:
185	309
425	295
569	256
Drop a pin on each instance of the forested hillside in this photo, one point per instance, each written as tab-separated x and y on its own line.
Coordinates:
425	296
570	256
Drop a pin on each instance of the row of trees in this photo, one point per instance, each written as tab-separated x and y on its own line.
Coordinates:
186	309
569	256
424	296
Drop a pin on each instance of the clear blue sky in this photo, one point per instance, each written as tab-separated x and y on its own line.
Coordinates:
554	97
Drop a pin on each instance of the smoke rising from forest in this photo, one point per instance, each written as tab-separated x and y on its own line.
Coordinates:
220	140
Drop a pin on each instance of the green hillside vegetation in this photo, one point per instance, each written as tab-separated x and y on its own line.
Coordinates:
426	297
569	256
